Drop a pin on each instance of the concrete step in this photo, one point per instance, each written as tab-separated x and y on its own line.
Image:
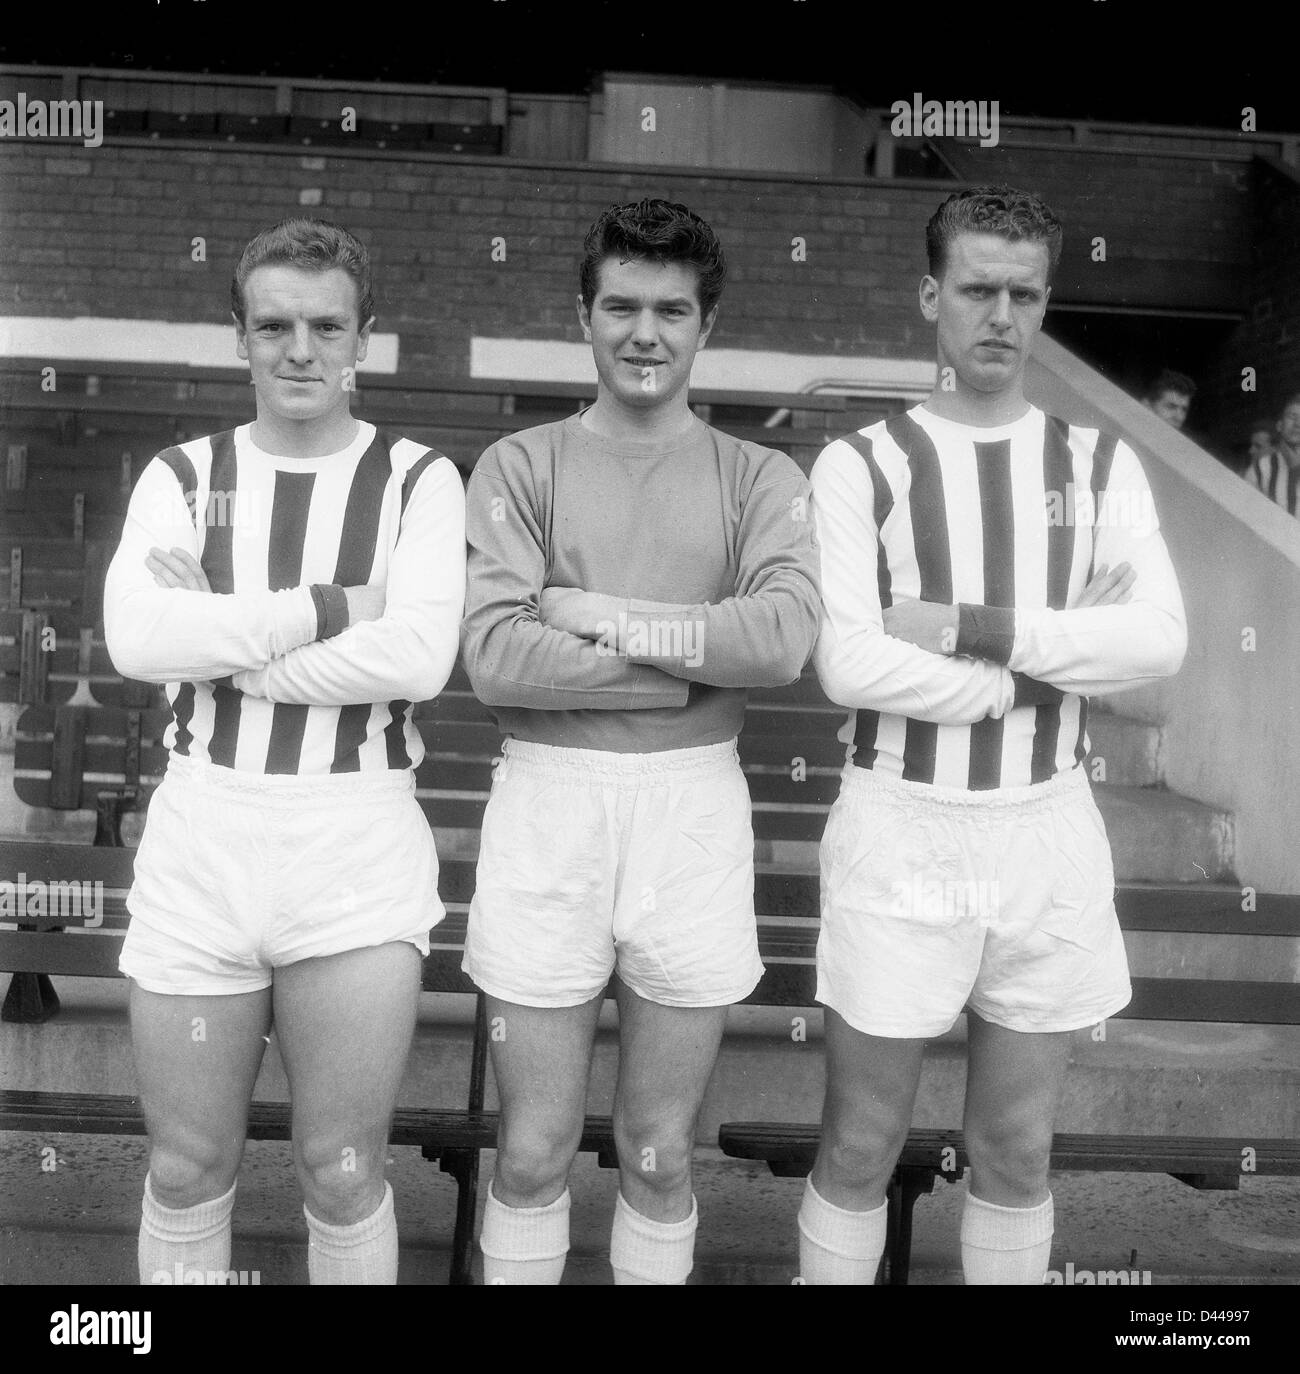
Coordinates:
1160	837
1124	751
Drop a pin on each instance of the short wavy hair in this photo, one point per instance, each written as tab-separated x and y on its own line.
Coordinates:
662	231
1002	210
1169	380
315	245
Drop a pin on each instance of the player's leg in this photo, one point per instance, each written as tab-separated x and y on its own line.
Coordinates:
344	1024
687	947
196	1062
871	1084
893	970
1013	1087
541	1059
666	1056
1053	962
540	944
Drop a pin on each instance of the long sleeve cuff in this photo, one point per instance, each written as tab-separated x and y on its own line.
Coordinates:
331	609
986	632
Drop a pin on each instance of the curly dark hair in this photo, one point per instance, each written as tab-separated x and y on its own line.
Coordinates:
1002	210
314	245
662	231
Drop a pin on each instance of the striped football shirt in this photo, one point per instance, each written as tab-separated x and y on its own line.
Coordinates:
1007	522
1277	479
251	683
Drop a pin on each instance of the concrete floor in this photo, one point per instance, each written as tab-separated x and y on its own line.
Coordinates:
77	1223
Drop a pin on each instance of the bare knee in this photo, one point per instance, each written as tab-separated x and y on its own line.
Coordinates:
857	1155
657	1158
341	1184
533	1163
184	1173
1009	1160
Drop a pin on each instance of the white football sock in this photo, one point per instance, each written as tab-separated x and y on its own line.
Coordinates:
524	1245
1005	1244
364	1252
647	1252
837	1246
180	1241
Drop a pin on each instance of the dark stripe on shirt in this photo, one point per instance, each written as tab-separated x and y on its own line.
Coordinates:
882	498
414	473
183	713
399	755
934	560
183	706
218	564
395	734
183	470
1102	457
357	545
929	515
1058	477
290	508
997	517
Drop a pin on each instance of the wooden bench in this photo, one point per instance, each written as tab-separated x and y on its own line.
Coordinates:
789	1148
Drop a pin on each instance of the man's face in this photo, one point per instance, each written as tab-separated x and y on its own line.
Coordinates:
1261	443
1289	425
1171	407
302	339
645	328
988	304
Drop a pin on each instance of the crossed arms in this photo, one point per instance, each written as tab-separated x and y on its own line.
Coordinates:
164	624
530	645
954	665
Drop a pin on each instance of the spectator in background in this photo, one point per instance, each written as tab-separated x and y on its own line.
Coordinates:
1261	442
1170	396
1276	471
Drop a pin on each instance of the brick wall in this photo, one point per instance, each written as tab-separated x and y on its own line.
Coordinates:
1177	230
108	231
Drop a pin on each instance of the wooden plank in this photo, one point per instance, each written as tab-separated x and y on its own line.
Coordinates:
796	1144
33	670
66	764
1206	910
1213	999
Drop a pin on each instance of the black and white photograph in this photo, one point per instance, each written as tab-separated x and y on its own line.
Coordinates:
651	646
